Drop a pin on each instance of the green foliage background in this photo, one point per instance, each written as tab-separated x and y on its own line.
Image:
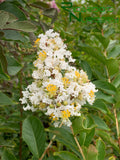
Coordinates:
96	48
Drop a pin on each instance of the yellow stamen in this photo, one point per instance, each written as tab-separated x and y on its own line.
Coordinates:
66	81
77	74
91	94
66	114
42	55
37	40
51	88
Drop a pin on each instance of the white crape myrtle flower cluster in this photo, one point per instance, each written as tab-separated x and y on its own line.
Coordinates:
58	89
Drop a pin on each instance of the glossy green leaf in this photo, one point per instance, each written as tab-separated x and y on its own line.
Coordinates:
12	8
89	137
66	155
116	81
13	35
103	40
44	26
3	60
90	153
105	86
86	67
94	52
4	16
24	26
13	66
83	124
65	137
100	105
100	123
112	66
105	97
101	149
114	52
7	155
5	100
40	5
82	137
3	75
117	105
34	135
108	139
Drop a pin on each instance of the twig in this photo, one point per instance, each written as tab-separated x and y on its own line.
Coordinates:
49	144
80	149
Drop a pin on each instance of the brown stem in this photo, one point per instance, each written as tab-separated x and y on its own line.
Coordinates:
80	149
117	125
49	144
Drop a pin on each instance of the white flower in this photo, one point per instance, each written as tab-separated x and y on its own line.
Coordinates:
58	89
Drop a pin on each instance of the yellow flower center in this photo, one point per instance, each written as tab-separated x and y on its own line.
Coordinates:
51	88
36	42
77	74
66	81
52	116
42	55
91	94
66	114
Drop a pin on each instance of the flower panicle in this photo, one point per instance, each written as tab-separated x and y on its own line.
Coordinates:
58	89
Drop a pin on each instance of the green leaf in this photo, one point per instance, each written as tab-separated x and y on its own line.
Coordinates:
13	35
44	26
101	149
6	129
100	105
89	137
52	13
82	137
100	123
12	17
90	153
40	5
94	52
3	60
13	66
34	135
105	86
66	155
104	41
86	67
105	97
114	52
65	137
4	16
113	66
117	105
108	139
116	81
12	8
3	75
5	100
8	155
83	124
54	158
118	116
24	26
